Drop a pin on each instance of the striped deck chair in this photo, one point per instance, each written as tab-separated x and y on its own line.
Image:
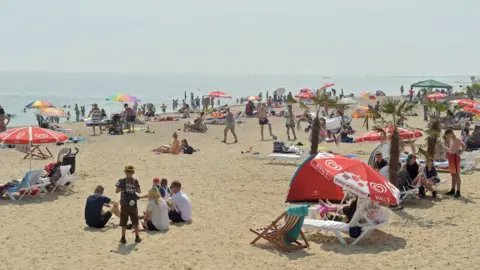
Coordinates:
277	232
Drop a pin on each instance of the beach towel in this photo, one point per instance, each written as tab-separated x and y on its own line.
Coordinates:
300	211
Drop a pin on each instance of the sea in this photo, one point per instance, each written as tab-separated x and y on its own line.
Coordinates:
17	89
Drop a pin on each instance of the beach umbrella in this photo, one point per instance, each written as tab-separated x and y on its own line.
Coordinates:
39	104
52	112
465	102
356	177
375	136
304	95
437	96
219	94
123	98
473	110
368	94
347	101
279	91
254	98
327	85
31	136
305	90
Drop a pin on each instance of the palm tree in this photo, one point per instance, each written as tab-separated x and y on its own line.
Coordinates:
321	101
395	109
473	91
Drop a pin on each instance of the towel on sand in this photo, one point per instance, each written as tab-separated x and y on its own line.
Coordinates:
300	211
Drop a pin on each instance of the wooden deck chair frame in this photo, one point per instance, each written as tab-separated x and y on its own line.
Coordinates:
275	234
37	152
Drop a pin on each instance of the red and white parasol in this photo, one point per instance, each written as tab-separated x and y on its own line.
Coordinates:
375	136
305	90
219	94
356	177
304	96
437	96
327	85
471	110
31	136
465	102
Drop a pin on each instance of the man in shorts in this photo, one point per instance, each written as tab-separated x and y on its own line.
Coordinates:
95	216
130	114
230	125
128	187
262	119
453	153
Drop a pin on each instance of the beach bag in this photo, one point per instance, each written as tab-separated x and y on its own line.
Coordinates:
188	150
278	147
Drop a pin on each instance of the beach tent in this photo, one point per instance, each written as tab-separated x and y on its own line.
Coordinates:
309	185
360	112
431	84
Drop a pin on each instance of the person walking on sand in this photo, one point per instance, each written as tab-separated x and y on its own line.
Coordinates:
230	125
262	119
454	151
401	91
290	122
129	187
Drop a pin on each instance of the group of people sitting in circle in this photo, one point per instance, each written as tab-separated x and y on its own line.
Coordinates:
165	204
176	147
412	174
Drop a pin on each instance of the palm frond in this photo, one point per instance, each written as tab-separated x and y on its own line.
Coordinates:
290	99
424	153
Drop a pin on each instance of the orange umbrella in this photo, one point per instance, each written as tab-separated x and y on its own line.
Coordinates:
52	112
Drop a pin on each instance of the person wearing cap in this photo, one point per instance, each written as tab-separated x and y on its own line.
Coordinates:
162	187
128	188
379	162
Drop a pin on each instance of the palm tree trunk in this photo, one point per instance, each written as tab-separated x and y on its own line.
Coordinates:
394	165
431	143
315	135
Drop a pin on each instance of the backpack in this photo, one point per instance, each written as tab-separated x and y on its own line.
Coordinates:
279	147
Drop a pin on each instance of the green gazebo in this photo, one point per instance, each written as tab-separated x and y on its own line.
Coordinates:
431	84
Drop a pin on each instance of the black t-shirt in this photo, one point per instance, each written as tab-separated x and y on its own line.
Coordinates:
378	165
93	209
188	150
412	170
130	188
430	173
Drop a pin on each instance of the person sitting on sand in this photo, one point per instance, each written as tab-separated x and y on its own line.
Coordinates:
379	162
162	186
428	179
156	216
411	166
95	216
196	123
473	141
186	148
174	148
181	207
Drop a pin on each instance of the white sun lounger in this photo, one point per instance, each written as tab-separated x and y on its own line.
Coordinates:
66	180
339	227
284	158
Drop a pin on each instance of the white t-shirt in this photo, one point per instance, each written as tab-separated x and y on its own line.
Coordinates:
182	204
159	214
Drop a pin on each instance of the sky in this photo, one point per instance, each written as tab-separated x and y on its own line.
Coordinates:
342	37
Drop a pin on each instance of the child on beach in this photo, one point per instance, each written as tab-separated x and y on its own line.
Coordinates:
262	119
162	186
454	150
230	125
129	187
290	122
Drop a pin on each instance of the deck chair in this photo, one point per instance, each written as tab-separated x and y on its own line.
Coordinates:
66	179
197	127
281	233
33	151
30	181
339	227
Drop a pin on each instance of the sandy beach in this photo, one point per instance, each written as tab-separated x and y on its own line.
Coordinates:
230	192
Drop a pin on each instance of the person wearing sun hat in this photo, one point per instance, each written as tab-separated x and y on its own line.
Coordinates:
129	187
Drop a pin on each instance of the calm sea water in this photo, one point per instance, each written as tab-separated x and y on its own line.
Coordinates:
20	88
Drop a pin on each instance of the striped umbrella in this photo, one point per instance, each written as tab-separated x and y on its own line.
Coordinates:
39	104
52	112
123	98
219	94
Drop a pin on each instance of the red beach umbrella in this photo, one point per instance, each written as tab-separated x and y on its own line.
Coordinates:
375	136
219	94
31	136
304	96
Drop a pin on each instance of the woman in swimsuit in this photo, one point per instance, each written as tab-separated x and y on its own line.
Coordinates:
3	117
174	148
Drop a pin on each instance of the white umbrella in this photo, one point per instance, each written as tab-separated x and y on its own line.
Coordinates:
279	91
347	101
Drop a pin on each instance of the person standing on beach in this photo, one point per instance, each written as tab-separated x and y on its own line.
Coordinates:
454	151
290	122
3	117
230	125
129	187
411	92
401	91
130	115
262	119
77	113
